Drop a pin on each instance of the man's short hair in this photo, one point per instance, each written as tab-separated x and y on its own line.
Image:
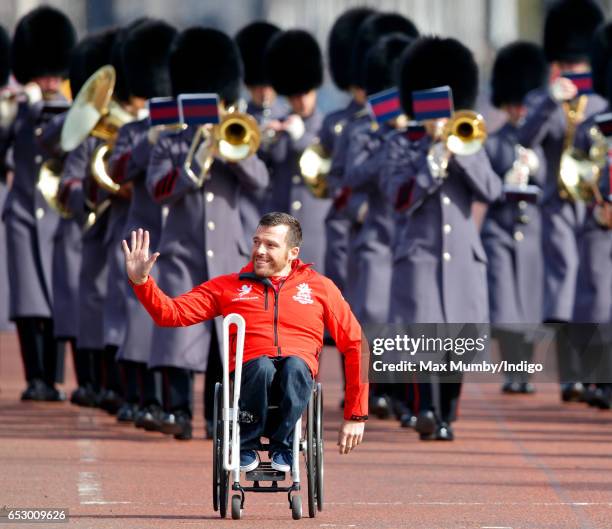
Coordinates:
294	233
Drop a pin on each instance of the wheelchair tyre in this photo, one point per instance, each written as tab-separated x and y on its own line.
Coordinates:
236	507
318	451
220	476
311	458
296	507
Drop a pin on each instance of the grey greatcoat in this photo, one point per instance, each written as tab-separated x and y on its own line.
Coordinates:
439	272
115	309
30	223
253	203
337	225
4	294
288	192
593	303
545	126
511	236
93	274
202	237
369	291
146	214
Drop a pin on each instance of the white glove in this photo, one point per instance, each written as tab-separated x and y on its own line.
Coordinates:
562	89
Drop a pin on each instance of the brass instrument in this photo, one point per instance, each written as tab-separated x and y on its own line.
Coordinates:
234	138
315	164
94	113
463	134
578	173
49	177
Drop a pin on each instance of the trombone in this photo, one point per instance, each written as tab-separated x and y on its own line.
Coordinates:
234	138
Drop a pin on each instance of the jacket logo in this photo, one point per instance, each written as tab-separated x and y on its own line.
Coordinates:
243	292
303	295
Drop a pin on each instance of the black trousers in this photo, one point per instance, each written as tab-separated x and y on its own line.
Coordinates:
39	349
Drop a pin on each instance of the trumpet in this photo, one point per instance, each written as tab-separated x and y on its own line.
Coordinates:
234	138
94	113
463	134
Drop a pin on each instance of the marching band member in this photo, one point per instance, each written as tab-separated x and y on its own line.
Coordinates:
6	118
203	235
511	232
41	49
145	56
552	117
298	81
439	272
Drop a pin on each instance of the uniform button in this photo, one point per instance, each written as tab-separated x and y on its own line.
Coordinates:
211	225
38	131
446	256
522	204
518	236
296	179
40	213
210	196
445	200
210	253
38	158
296	205
524	219
447	228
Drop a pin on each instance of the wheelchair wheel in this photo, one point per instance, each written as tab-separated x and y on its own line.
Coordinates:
236	507
311	458
318	436
220	476
296	507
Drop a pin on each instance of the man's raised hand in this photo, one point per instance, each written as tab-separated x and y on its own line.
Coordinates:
138	264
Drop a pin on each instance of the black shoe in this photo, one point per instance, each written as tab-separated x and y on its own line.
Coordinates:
445	432
426	423
511	388
177	424
84	396
111	401
408	420
36	390
380	406
150	418
127	412
602	398
52	394
527	388
572	392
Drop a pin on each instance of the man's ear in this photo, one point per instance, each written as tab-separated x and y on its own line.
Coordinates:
294	253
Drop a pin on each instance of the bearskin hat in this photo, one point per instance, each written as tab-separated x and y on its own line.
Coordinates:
373	28
294	63
252	41
206	60
569	28
519	68
145	59
90	54
122	90
601	61
5	56
431	62
42	44
381	62
341	42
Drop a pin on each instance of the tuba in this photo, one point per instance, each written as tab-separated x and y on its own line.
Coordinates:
234	138
95	113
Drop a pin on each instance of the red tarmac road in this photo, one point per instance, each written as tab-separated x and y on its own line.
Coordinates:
522	462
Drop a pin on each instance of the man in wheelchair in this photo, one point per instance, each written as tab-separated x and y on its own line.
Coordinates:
286	305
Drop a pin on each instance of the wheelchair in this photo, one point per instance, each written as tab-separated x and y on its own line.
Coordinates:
226	445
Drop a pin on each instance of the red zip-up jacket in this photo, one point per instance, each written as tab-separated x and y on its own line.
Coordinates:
288	322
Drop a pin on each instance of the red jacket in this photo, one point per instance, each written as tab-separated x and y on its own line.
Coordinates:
288	322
